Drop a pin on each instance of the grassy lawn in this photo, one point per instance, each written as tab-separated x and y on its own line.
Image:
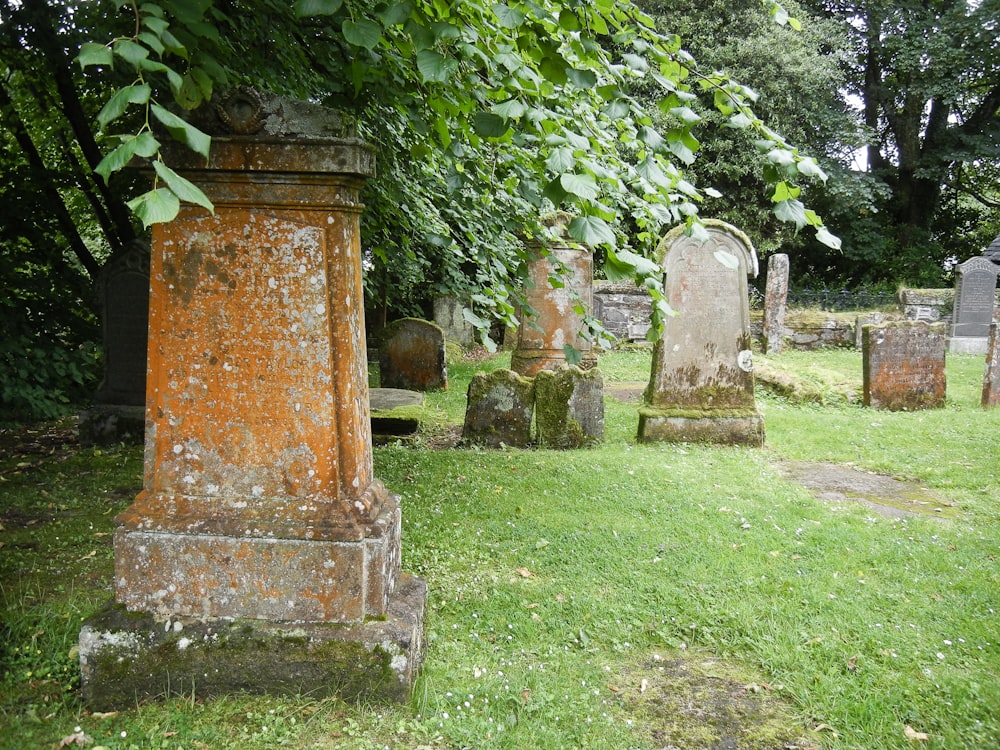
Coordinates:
626	596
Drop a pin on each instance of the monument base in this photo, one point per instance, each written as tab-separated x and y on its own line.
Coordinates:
110	424
968	344
661	426
128	657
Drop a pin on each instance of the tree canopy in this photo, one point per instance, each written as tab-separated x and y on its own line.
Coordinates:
486	116
927	75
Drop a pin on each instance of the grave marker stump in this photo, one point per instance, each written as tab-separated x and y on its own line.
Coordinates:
991	378
262	553
775	302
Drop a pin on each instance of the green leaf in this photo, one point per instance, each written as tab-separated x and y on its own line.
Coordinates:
560	160
95	54
592	231
116	159
828	239
489	125
152	41
582	185
145	145
791	211
183	188
568	20
131	52
183	131
651	137
509	18
434	66
809	168
573	357
119	101
582	79
363	33
317	7
512	109
155	207
396	13
727	259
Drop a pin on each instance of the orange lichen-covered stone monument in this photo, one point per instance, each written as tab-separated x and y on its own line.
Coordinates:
551	318
261	531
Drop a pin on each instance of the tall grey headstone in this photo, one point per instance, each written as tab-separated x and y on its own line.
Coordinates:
975	298
775	300
701	384
449	314
119	413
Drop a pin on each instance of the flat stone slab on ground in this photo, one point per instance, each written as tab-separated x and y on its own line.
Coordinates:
384	399
887	496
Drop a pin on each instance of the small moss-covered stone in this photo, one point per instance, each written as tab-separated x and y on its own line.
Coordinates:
500	404
569	407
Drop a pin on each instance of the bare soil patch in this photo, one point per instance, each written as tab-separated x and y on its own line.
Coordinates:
887	496
692	700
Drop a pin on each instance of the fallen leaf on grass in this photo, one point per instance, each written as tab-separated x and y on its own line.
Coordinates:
614	688
525	696
104	715
89	555
525	573
77	738
912	734
852	664
644	685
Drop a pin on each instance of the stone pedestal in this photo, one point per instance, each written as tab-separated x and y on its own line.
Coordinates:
259	503
553	317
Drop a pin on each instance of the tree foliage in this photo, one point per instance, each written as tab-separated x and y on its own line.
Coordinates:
519	108
928	77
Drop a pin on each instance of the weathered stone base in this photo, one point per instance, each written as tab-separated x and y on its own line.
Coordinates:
727	430
109	424
968	344
127	658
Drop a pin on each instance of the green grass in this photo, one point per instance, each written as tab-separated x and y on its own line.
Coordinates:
562	582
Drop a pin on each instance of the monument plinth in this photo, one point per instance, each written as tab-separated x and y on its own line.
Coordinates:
259	502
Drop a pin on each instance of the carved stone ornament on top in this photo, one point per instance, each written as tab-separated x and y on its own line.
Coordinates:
244	111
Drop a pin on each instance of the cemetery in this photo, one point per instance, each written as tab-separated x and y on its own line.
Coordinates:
412	375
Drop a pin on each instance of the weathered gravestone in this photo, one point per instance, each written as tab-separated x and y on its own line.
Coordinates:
122	289
449	315
553	317
412	356
904	366
701	384
775	302
262	554
975	298
569	407
991	379
500	405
